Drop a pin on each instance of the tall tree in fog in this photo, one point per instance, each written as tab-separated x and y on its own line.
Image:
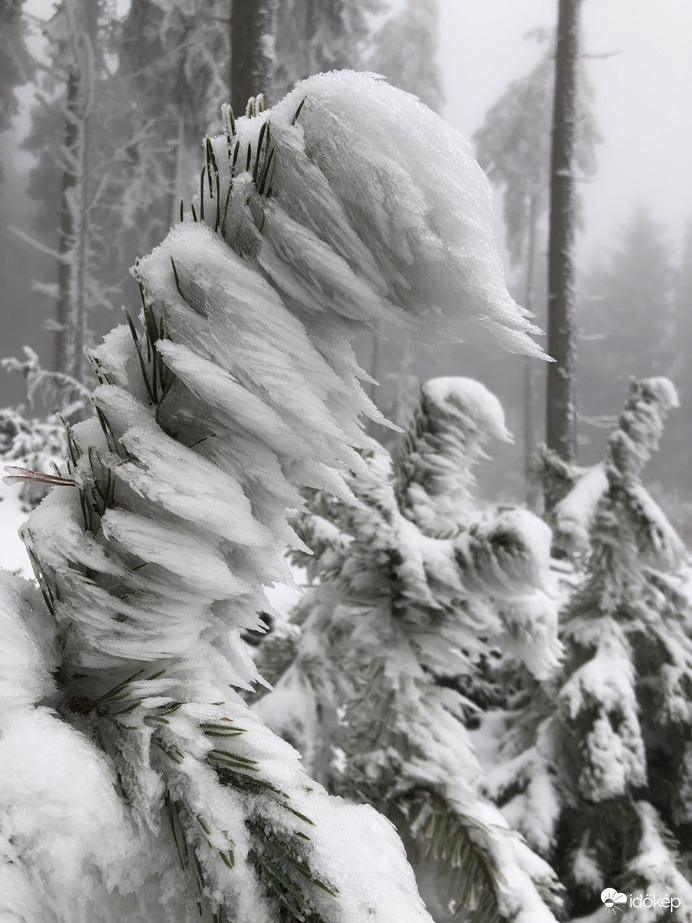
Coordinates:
680	367
14	59
560	394
513	147
64	135
252	50
681	341
626	315
121	106
319	35
173	65
598	761
17	264
405	51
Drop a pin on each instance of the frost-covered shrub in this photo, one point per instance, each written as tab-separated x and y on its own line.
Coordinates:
598	767
38	443
136	783
677	507
418	580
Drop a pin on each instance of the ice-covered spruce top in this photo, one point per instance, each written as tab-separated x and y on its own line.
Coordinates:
597	769
347	203
436	461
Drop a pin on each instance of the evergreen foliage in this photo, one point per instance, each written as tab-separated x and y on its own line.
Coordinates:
115	132
596	771
237	387
172	66
417	580
14	59
75	138
39	443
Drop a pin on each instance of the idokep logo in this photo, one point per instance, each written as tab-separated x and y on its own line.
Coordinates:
616	901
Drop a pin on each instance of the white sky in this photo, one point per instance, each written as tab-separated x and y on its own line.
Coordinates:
643	95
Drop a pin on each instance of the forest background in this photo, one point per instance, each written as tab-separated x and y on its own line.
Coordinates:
634	245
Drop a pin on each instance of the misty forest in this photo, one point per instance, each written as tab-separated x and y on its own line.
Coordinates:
345	529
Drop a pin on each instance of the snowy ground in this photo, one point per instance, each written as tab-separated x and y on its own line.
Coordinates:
13	555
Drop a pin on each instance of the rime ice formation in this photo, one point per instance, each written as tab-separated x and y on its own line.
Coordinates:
347	203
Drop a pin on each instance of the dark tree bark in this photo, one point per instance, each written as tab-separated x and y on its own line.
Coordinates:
561	404
252	25
73	244
532	490
67	184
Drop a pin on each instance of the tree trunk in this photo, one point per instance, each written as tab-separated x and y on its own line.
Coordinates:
74	243
561	409
252	30
66	234
532	492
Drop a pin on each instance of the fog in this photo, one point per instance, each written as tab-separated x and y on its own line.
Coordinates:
639	65
642	102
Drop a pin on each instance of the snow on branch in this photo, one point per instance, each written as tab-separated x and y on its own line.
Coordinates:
347	203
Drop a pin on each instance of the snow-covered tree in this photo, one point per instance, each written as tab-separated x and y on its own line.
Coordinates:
37	443
172	68
405	50
313	36
70	90
597	771
626	312
513	147
14	59
414	582
127	752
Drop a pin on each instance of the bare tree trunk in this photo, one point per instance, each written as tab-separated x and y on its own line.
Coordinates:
532	492
66	233
74	241
252	31
561	409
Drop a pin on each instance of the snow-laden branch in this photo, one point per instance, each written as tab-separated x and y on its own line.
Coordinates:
348	203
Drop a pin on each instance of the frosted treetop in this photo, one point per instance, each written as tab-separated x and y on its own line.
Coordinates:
375	199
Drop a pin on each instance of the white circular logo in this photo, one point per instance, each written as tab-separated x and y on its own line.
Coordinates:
611	897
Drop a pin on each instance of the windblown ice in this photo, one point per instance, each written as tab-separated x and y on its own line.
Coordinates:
347	203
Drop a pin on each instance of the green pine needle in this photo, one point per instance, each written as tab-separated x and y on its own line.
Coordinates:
298	111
